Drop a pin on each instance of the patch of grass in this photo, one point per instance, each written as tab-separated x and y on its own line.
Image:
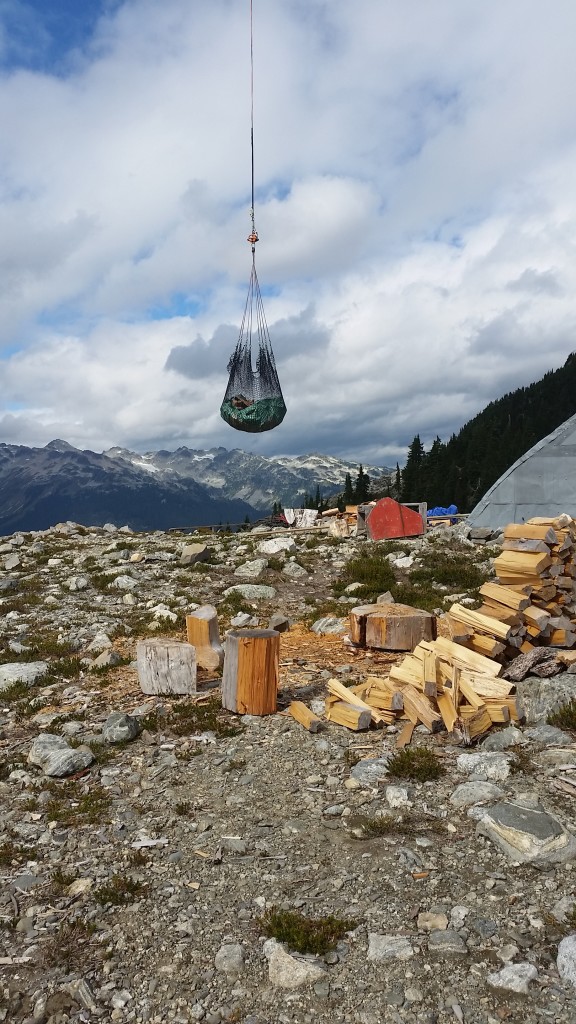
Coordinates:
137	859
372	569
564	717
233	604
60	881
387	824
70	806
68	946
419	764
10	851
118	890
189	717
277	564
521	763
14	692
423	596
183	807
305	934
456	571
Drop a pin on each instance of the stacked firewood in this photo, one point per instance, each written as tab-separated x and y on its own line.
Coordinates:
532	602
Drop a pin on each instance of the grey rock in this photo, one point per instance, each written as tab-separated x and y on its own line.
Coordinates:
251	570
107	659
27	881
56	758
241	619
549	735
12	561
100	642
252	591
285	971
480	533
370	771
537	698
119	728
482	926
81	993
446	943
230	959
385	598
123	583
329	624
279	622
513	978
277	545
563	908
388	947
566	960
492	766
293	570
77	583
470	793
25	672
509	737
8	584
192	553
527	833
398	796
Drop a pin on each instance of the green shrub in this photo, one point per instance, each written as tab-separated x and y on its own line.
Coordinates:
305	934
419	764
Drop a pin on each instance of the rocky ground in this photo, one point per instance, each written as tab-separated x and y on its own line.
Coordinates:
139	885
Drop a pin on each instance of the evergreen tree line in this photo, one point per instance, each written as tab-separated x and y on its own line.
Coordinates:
461	470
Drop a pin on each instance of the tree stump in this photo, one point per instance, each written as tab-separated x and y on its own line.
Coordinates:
390	627
202	632
251	670
166	666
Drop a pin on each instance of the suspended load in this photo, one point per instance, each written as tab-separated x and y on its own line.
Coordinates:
253	400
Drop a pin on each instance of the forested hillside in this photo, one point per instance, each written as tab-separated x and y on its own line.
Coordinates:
461	470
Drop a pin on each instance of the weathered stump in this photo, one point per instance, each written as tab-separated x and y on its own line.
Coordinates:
166	666
202	632
391	627
251	670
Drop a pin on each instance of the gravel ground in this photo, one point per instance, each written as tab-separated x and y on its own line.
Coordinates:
136	888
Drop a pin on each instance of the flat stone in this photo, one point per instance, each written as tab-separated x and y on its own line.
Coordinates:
549	735
293	570
123	583
398	796
509	737
513	978
285	971
276	545
329	624
242	619
192	553
251	570
252	591
527	833
446	943
120	728
100	642
566	960
56	758
107	659
429	922
469	793
370	771
492	766
389	947
21	672
230	959
12	561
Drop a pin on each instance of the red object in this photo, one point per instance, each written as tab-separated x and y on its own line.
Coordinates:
388	519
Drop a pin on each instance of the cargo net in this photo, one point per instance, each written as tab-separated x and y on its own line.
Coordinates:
253	399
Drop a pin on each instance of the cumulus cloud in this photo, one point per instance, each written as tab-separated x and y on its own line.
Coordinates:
415	197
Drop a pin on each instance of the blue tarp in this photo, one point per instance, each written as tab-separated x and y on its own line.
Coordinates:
441	511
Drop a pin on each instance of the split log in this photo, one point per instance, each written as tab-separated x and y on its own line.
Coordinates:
480	623
390	627
348	715
502	595
202	633
485	645
341	692
166	666
525	531
304	716
251	670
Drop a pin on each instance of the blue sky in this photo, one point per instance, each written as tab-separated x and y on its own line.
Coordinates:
416	203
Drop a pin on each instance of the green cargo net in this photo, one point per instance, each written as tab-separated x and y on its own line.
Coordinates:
253	400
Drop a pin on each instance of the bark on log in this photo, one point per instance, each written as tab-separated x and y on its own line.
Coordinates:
251	670
166	666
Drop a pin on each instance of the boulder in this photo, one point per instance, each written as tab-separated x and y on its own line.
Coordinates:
56	758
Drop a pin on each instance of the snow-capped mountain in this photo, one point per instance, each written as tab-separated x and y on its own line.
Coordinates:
256	479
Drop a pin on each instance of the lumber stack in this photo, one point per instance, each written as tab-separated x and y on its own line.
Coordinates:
532	601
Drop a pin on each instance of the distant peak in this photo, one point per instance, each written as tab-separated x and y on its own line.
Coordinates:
58	445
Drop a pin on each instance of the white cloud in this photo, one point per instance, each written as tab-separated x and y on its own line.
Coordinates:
416	202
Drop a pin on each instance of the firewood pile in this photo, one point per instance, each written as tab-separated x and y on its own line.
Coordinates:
458	683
